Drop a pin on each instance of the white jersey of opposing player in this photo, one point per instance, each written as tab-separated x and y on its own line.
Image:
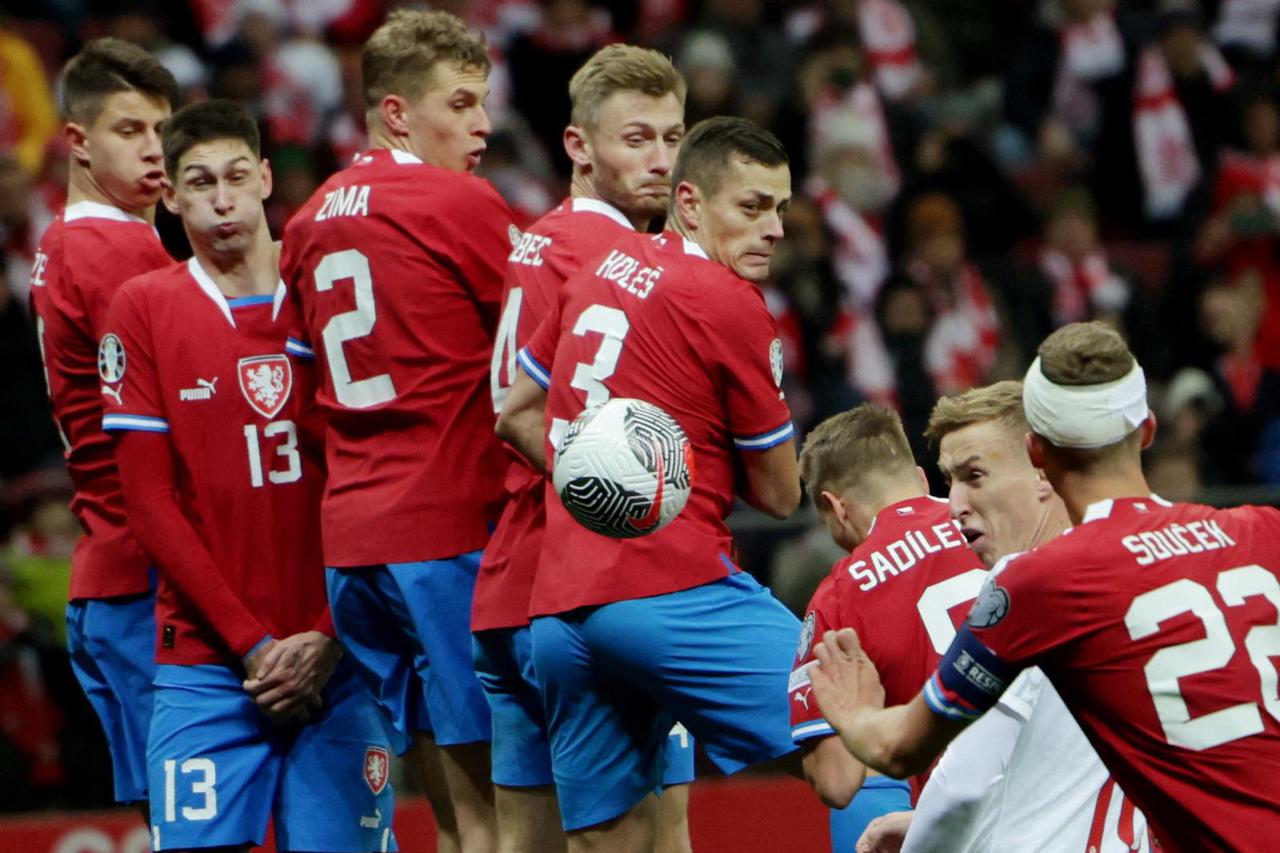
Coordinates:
1024	777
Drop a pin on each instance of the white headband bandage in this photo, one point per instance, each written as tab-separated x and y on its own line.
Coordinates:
1084	416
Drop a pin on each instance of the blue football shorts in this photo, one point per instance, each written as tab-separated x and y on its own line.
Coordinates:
112	644
615	678
220	770
408	628
521	753
880	795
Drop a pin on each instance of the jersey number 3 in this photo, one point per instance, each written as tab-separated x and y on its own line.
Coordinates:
1214	651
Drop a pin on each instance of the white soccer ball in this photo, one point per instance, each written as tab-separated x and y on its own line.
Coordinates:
624	468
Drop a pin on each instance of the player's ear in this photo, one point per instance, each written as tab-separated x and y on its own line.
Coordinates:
170	198
77	141
924	479
1044	489
686	200
1148	429
577	147
267	179
392	111
831	502
1035	450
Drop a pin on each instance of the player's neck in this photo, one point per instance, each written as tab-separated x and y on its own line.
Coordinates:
81	186
582	186
254	273
894	494
380	137
1079	490
1054	521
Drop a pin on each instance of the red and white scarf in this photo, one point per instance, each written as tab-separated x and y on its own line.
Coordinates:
861	259
959	349
1089	51
1079	289
1166	152
889	36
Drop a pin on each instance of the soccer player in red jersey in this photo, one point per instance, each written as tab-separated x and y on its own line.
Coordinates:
1023	777
397	264
905	586
629	635
628	120
1153	621
222	478
114	98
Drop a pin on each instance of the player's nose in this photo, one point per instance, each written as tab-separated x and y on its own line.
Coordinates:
483	127
152	150
772	223
662	158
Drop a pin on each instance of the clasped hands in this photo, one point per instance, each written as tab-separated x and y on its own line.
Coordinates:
285	677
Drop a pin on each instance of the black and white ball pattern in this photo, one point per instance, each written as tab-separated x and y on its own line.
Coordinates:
624	468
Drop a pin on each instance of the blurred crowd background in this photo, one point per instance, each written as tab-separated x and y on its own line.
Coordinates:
968	175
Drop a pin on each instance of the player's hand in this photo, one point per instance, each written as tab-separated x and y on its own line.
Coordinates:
885	834
845	680
253	664
287	683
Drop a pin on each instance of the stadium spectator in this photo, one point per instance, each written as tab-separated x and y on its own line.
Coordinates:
27	113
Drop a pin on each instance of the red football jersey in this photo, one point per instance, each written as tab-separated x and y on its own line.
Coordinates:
88	251
655	319
397	269
1156	623
213	373
552	249
904	590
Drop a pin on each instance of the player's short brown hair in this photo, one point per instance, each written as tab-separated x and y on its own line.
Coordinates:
1090	353
1085	354
621	68
849	449
205	122
1000	402
708	149
106	66
401	54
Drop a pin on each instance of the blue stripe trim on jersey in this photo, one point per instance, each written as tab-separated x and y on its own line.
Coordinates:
242	301
144	423
939	705
536	371
766	440
805	731
293	346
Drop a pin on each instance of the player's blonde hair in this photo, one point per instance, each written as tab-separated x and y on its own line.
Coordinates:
1000	402
621	68
398	59
853	450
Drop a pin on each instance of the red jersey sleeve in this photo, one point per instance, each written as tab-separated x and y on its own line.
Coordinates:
745	351
807	721
127	366
538	356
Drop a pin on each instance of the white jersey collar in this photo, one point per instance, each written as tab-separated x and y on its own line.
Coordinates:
692	248
97	210
1102	508
595	205
210	288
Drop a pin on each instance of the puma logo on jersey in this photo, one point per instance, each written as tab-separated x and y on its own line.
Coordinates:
205	390
344	201
113	392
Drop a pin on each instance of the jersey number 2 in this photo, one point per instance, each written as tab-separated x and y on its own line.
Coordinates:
1211	652
352	393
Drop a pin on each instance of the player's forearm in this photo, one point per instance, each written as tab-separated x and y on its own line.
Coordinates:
522	422
899	741
833	773
180	556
